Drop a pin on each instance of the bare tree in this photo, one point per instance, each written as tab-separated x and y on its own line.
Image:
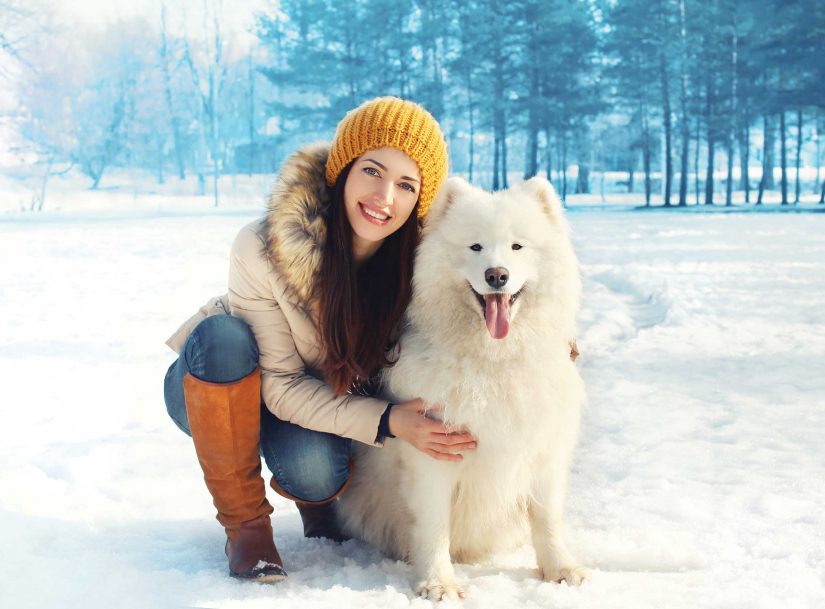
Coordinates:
166	58
208	81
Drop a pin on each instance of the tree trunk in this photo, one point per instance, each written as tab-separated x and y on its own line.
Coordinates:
744	161
630	174
770	145
696	157
564	168
559	172
96	176
711	144
583	179
683	122
468	77
818	163
472	152
763	181
729	181
548	162
531	165
503	150
496	160
783	151
177	135
646	153
709	176
798	151
39	197
666	116
734	108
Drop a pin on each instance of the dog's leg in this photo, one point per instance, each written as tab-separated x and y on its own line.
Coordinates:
429	496
545	509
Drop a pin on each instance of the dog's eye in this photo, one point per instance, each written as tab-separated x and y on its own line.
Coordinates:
516	246
476	247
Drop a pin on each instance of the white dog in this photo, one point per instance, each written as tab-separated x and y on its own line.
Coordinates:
496	291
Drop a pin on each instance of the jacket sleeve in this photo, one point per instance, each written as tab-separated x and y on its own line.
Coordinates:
289	392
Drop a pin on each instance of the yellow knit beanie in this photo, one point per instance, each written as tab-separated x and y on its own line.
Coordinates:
397	123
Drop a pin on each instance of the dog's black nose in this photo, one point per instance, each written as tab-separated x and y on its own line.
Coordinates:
497	277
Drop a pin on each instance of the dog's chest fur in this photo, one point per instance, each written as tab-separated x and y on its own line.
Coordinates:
515	419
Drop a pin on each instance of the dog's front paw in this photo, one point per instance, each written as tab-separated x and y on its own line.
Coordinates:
574	575
437	590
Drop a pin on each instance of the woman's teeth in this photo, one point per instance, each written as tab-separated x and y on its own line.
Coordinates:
374	214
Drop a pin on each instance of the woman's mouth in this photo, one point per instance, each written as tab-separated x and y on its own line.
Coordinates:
370	215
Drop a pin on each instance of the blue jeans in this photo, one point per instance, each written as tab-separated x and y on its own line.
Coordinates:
309	465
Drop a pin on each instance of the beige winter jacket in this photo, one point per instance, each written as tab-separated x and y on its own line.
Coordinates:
273	264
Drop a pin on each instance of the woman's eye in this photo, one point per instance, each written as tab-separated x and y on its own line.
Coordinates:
372	171
476	247
516	246
407	186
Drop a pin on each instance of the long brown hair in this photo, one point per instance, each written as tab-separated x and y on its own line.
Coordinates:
360	309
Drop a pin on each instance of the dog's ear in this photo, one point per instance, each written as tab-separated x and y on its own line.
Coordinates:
445	198
543	192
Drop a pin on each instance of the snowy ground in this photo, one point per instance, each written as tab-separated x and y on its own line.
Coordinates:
699	480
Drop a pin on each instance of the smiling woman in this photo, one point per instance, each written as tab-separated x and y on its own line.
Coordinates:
379	195
317	289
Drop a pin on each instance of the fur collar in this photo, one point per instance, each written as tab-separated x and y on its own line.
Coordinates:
295	225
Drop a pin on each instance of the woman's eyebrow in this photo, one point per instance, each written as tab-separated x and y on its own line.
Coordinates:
384	167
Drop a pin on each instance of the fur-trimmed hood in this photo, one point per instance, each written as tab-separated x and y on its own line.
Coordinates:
295	224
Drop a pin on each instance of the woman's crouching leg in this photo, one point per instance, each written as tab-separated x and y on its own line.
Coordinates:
221	349
309	467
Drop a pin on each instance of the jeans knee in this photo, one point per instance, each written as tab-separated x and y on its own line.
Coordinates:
308	465
221	349
315	482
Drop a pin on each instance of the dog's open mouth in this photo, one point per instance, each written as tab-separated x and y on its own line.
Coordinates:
496	310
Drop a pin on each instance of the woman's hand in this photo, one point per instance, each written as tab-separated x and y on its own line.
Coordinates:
407	421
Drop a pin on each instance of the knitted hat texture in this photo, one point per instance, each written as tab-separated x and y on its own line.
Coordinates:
395	123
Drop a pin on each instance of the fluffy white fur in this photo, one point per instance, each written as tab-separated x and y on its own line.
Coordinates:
520	396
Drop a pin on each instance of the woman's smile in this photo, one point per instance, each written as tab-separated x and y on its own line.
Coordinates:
373	215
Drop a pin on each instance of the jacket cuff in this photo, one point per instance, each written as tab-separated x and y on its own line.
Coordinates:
384	425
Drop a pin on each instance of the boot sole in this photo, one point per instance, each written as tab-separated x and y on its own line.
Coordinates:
261	578
269	579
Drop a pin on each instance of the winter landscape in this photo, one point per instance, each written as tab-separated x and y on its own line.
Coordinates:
698	482
699	479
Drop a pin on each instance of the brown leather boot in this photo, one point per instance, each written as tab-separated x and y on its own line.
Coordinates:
225	421
319	517
320	521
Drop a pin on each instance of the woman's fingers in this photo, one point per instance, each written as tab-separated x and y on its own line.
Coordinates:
447	436
453	449
442	456
453	438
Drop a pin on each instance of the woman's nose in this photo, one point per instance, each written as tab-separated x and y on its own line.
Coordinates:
383	193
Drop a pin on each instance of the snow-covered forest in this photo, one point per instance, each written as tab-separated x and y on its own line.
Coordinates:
679	101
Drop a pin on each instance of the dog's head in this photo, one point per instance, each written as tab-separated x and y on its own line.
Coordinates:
495	253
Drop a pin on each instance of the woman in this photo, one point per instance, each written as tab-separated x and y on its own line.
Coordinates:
317	289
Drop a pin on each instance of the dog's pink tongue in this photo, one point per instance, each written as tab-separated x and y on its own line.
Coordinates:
498	314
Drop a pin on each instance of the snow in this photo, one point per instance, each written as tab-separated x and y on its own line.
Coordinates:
699	480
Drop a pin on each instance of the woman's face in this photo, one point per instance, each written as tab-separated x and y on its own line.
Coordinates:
380	192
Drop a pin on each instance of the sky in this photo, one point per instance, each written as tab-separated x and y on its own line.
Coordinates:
237	15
